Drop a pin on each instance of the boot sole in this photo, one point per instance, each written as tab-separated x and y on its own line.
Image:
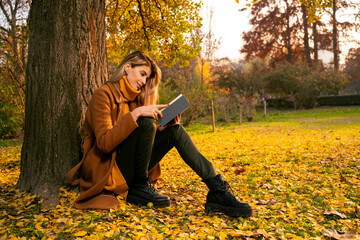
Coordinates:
230	211
140	201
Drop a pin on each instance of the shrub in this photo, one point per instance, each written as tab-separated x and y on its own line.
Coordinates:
11	117
339	100
301	84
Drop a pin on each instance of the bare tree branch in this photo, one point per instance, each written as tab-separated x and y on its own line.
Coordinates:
5	13
4	29
125	9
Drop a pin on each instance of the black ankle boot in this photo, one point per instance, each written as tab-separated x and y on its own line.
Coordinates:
220	199
142	192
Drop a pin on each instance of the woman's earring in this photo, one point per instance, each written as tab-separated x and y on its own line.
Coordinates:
126	73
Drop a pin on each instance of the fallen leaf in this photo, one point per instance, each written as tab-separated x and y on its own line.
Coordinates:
265	185
343	179
357	211
239	170
332	233
258	233
335	213
80	233
177	198
159	185
109	218
266	202
189	198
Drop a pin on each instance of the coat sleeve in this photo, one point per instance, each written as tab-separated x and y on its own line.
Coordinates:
107	135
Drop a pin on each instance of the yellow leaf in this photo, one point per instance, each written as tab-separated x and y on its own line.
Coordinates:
80	233
109	234
38	226
3	237
223	235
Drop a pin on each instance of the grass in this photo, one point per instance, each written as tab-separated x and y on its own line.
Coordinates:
306	162
310	114
7	143
318	117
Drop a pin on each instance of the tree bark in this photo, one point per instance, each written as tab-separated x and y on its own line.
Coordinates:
212	115
265	109
306	34
315	34
288	33
241	114
335	36
66	63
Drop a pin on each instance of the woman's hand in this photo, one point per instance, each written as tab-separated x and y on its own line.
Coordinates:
148	111
176	119
173	122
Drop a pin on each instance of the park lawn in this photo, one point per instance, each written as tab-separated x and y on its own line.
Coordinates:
300	174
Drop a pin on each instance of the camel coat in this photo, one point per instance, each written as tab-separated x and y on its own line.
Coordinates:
108	122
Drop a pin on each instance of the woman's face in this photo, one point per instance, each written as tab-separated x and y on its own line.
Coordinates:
138	75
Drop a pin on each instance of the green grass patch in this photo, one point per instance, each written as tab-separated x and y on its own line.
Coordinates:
5	143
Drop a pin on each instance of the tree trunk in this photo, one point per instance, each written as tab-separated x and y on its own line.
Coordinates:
265	109
288	33
316	56
306	34
212	115
241	114
335	37
66	63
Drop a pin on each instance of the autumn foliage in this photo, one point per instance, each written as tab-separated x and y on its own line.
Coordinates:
300	175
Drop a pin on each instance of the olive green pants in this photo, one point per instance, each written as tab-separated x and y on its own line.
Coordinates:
145	147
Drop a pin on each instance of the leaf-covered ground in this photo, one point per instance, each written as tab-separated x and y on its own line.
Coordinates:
301	177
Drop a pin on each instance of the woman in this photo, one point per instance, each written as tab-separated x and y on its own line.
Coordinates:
123	145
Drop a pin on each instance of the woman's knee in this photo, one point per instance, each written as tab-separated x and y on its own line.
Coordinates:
177	130
146	124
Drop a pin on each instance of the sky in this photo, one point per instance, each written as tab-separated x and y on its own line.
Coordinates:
229	23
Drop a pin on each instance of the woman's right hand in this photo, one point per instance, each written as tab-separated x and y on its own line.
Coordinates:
148	111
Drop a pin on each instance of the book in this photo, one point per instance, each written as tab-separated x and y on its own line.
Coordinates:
176	106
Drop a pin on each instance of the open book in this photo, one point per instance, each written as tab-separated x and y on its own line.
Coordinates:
177	106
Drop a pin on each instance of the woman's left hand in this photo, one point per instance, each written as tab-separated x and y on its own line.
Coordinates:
176	120
173	122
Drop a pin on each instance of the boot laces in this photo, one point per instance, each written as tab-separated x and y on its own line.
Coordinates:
226	187
150	185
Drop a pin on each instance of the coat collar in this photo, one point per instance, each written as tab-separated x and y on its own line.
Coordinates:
127	91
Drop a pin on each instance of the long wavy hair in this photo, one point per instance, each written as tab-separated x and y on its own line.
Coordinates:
149	92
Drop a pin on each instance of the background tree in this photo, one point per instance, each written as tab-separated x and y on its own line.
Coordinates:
315	8
191	80
293	81
352	68
275	31
245	81
302	84
13	53
339	28
224	99
305	21
210	45
162	28
278	32
335	36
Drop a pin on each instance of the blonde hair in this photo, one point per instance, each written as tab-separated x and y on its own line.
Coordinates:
149	92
